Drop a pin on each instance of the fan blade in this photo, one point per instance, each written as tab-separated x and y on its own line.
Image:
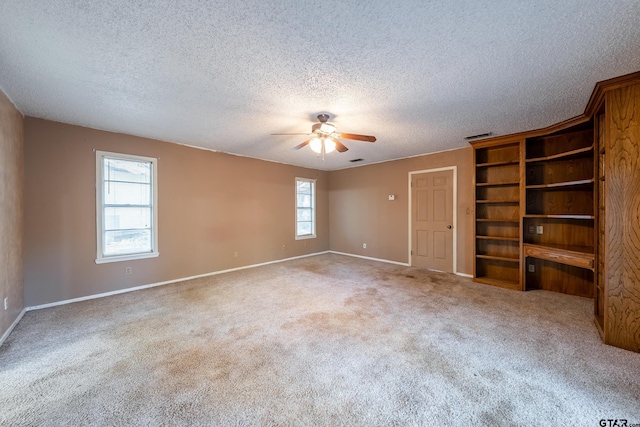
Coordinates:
297	147
306	133
357	137
340	147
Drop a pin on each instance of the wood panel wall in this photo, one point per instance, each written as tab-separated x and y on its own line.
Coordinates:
622	267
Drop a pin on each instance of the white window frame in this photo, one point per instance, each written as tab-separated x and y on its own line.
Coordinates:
100	257
313	209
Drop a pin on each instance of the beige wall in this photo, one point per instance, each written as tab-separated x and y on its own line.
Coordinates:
11	212
210	206
360	211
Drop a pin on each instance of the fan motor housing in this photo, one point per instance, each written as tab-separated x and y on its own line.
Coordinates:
322	118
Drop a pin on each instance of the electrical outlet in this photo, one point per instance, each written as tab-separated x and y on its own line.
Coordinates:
539	229
235	254
532	268
6	303
284	247
532	229
364	246
127	270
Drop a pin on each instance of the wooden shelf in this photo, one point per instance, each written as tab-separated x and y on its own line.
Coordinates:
511	239
561	184
577	256
506	202
517	221
589	250
497	184
499	258
564	155
503	163
560	216
508	284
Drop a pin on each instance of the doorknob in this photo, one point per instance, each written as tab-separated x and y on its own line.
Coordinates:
449	227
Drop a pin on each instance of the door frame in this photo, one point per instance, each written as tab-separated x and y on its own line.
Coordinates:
455	211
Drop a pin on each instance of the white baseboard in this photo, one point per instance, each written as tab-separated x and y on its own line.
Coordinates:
152	285
13	325
370	258
214	273
394	262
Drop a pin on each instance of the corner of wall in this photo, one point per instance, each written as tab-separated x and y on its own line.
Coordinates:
11	215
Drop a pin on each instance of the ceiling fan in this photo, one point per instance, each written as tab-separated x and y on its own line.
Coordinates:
325	137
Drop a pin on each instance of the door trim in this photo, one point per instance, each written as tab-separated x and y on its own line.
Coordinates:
455	211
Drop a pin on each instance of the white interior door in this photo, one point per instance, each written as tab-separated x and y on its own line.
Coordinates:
432	220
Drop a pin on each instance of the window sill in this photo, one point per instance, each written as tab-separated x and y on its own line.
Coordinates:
307	236
129	257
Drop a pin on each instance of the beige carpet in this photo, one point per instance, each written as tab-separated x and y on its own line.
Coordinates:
325	340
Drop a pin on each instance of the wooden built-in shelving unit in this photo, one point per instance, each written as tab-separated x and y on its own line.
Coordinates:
558	225
557	209
498	178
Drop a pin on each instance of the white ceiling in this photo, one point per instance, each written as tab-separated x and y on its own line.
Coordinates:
419	75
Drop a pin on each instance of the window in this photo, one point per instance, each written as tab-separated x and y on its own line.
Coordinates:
305	208
126	207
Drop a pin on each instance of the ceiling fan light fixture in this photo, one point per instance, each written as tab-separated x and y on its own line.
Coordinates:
326	139
329	145
316	145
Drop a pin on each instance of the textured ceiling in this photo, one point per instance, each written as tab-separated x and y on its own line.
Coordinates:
419	75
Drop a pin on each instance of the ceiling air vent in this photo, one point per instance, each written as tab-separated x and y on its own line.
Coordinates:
356	160
480	135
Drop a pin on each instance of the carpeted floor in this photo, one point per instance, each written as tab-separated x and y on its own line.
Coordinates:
324	340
